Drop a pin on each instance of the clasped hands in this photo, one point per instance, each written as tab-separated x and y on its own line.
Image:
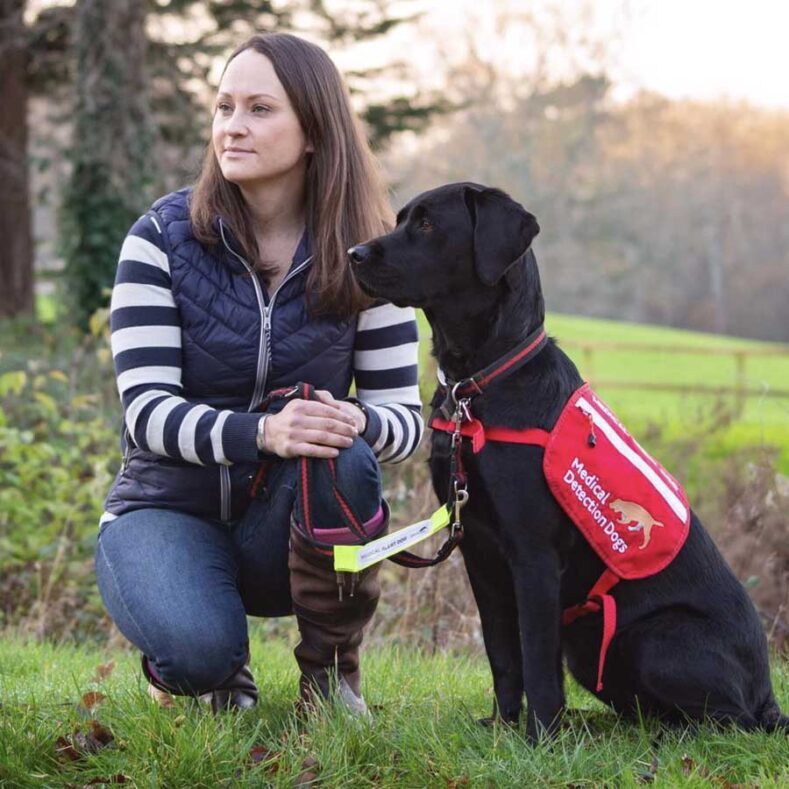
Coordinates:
313	428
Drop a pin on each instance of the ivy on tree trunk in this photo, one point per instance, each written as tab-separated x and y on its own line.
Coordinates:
111	153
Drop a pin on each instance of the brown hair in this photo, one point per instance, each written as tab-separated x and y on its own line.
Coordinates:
346	198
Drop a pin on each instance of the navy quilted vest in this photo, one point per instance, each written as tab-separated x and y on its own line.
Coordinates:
230	361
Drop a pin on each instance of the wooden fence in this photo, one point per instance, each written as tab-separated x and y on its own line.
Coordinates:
739	388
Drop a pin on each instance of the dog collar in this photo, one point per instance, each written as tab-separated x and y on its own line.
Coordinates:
501	368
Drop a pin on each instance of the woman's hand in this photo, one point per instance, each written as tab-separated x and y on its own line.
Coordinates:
350	409
313	429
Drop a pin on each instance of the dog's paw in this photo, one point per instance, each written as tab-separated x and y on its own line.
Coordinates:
496	720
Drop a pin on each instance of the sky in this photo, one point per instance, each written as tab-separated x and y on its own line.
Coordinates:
711	48
704	49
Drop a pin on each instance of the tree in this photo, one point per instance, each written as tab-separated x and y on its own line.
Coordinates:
16	250
141	109
181	70
660	211
30	61
112	172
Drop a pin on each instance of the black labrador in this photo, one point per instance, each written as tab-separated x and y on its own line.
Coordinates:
688	644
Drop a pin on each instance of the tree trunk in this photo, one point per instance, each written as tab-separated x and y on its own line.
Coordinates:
16	245
111	175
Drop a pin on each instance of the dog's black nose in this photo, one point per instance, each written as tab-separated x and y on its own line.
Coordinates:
359	253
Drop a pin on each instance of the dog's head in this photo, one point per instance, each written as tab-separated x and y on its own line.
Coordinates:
456	239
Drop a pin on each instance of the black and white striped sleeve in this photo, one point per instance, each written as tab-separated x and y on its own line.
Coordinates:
146	349
385	359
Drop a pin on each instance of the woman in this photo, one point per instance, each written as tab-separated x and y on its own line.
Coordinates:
224	293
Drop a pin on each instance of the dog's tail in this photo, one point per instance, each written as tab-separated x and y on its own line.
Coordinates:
772	719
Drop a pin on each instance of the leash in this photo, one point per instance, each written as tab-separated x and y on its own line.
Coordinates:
354	558
460	422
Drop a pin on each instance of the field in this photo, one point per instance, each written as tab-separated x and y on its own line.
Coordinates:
423	733
763	422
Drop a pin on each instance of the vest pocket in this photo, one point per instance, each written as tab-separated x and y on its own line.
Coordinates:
150	480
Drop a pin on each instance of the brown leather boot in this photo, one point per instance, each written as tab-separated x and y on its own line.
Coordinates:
238	691
331	612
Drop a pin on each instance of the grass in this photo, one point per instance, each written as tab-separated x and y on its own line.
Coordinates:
424	731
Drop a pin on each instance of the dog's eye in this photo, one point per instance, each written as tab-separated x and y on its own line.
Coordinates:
425	224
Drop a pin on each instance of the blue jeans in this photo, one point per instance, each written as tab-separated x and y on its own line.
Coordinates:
180	587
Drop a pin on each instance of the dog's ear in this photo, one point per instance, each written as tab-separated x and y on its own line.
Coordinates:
503	231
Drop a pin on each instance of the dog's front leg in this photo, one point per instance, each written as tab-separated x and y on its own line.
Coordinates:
491	583
536	575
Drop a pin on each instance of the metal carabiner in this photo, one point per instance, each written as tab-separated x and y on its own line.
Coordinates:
461	499
453	393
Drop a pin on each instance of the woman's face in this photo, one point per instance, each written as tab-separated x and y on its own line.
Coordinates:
256	135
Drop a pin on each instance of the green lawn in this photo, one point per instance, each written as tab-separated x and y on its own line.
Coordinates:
764	421
424	731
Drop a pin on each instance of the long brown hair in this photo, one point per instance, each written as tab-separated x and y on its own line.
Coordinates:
346	198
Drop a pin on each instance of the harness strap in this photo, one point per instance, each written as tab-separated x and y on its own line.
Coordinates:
479	434
598	599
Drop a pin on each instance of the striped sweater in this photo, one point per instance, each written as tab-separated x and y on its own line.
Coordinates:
164	419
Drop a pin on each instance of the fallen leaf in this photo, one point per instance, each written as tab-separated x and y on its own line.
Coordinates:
65	751
86	743
103	671
687	764
179	720
92	699
81	743
307	778
120	778
101	733
259	753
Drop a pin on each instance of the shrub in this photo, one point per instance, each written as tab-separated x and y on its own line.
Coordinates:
58	453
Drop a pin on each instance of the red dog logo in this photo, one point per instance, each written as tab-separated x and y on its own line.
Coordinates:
631	513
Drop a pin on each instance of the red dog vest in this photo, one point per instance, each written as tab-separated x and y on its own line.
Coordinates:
632	512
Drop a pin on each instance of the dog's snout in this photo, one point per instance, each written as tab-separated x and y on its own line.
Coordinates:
359	253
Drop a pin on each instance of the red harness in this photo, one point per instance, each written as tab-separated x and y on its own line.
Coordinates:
631	511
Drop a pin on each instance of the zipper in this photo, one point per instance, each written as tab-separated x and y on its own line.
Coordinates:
224	493
126	450
264	352
265	335
591	438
